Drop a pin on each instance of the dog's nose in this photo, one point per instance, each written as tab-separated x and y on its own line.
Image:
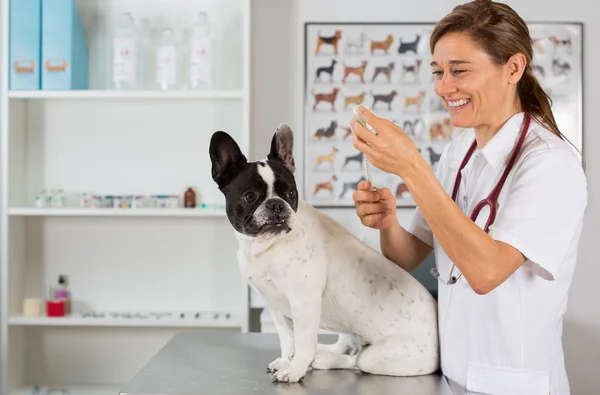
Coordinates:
275	205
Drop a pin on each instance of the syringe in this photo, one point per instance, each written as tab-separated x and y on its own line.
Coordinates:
360	119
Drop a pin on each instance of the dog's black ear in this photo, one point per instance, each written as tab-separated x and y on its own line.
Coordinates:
282	147
226	158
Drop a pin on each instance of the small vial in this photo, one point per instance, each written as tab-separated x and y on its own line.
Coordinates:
360	119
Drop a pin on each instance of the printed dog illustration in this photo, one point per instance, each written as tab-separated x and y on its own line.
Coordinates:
328	40
385	98
326	97
357	42
359	71
412	69
382	45
350	186
406	47
328	132
330	157
327	70
401	189
442	130
315	274
385	70
358	158
559	68
409	127
357	100
414	100
326	186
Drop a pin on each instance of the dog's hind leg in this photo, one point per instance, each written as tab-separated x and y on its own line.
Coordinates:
330	360
345	344
399	356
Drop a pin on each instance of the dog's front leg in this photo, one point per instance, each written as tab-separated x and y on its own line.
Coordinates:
285	331
306	315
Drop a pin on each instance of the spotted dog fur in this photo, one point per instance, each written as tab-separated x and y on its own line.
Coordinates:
313	273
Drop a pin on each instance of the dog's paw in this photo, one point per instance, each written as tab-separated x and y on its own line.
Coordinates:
278	364
291	374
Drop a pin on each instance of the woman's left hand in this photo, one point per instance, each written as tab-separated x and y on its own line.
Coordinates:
390	150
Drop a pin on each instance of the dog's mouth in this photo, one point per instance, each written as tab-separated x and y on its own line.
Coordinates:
273	228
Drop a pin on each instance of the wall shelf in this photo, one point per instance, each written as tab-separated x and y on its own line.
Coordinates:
110	212
127	95
205	320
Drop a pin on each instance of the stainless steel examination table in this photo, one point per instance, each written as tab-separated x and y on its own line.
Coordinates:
235	364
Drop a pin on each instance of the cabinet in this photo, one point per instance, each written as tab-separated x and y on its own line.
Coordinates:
137	275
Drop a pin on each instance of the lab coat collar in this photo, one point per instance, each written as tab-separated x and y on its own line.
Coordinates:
500	146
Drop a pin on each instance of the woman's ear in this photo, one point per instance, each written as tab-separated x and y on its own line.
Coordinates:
516	67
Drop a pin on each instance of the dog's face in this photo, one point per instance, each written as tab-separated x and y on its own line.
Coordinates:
261	197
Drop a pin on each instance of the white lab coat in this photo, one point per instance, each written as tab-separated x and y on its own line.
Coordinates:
508	342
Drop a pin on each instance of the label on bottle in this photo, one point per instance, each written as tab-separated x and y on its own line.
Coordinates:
166	65
124	60
200	61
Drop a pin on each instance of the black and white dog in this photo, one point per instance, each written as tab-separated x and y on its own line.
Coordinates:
314	274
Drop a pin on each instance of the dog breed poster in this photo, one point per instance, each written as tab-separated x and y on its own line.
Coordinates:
386	66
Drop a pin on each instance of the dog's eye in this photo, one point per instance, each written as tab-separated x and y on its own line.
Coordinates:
249	197
291	194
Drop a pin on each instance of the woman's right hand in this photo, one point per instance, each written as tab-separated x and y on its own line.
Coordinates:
376	209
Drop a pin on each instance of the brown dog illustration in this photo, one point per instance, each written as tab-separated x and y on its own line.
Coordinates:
326	97
358	99
383	45
414	100
327	185
329	40
359	71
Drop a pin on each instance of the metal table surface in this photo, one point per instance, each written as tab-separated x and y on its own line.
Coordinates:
235	364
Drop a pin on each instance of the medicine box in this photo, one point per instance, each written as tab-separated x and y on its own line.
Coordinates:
64	49
25	44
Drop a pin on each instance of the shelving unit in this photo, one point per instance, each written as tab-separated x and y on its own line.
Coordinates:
104	141
116	212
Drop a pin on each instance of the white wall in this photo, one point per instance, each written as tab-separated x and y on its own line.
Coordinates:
278	33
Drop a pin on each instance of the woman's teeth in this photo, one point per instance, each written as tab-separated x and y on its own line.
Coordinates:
458	103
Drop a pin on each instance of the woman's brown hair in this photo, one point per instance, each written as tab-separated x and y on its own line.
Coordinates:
501	32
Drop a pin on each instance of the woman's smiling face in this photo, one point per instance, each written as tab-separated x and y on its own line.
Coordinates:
473	88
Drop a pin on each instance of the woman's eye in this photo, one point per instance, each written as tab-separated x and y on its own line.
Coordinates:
459	71
249	197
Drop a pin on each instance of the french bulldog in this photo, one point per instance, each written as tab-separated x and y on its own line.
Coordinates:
313	273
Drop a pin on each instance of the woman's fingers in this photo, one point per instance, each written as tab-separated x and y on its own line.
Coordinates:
365	196
372	220
366	209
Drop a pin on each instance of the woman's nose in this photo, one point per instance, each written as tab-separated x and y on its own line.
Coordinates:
445	84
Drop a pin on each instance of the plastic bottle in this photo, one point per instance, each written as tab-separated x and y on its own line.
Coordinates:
125	70
167	61
200	54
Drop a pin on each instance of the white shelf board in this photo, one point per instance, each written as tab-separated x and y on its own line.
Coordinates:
116	94
73	389
116	212
206	320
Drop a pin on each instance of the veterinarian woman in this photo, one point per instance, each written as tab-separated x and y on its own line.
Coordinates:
503	289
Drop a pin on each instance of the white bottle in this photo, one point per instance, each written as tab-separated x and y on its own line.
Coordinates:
200	54
167	61
125	70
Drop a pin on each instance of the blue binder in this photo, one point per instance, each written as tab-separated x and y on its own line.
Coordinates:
64	49
25	44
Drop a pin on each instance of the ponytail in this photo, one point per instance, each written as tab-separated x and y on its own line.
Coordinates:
535	101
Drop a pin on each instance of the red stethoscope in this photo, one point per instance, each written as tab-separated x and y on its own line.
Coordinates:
492	198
